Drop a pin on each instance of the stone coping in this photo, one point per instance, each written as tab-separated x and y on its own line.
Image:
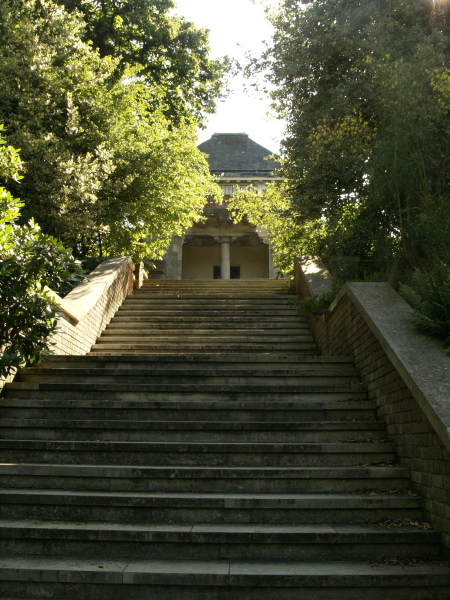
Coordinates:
316	275
85	296
420	359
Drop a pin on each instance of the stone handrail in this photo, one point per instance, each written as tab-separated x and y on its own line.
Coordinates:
88	308
312	278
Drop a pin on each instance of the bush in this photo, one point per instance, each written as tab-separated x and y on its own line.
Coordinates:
29	261
429	295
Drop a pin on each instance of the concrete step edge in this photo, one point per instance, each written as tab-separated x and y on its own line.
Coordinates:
139	471
196	370
205	447
215	404
228	573
114	387
218	533
225	500
198	426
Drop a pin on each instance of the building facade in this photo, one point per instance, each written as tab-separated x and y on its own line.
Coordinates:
217	248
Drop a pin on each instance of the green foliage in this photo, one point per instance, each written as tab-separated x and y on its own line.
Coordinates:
271	210
171	52
316	305
365	90
429	295
29	261
106	171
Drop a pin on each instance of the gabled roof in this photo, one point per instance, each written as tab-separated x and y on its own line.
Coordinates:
236	154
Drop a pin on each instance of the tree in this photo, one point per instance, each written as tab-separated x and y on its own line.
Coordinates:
364	89
271	210
104	172
172	53
29	260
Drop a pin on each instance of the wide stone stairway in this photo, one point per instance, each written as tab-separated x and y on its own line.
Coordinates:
204	451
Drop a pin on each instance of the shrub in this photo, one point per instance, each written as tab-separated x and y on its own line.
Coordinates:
29	261
429	295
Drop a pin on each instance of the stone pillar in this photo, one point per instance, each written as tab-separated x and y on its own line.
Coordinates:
140	274
262	233
225	261
174	258
273	273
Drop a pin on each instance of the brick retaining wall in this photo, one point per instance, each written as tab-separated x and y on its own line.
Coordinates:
406	373
345	332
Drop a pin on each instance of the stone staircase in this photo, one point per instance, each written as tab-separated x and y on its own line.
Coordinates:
203	451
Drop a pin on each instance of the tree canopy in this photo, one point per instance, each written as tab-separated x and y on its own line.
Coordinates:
365	89
105	169
172	53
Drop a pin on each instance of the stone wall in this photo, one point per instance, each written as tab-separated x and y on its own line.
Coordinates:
89	307
406	373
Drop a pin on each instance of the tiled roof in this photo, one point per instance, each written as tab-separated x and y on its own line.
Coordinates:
237	154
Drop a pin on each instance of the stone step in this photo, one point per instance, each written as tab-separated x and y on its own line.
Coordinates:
211	291
143	330
204	292
231	283
189	392
233	286
307	407
194	306
220	292
177	305
249	454
141	295
248	320
224	360
207	334
206	325
143	309
210	541
196	376
149	335
195	431
109	346
204	479
140	579
163	507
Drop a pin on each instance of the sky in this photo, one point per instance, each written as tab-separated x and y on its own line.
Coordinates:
236	27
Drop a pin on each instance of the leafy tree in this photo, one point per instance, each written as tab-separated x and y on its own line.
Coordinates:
104	173
364	89
271	210
29	260
172	53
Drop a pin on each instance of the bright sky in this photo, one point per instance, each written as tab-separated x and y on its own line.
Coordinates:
236	26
